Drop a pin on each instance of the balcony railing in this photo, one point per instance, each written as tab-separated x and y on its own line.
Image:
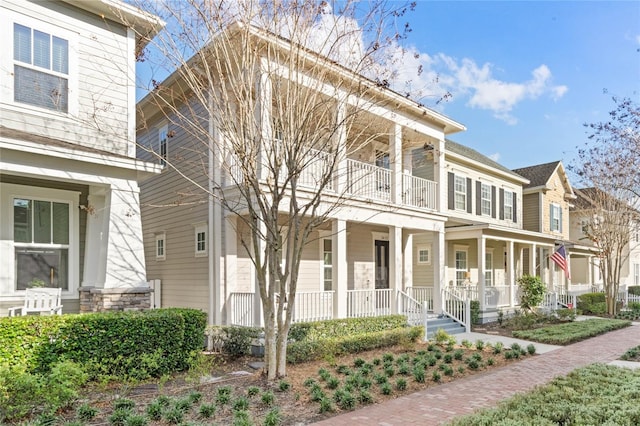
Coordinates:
368	180
418	192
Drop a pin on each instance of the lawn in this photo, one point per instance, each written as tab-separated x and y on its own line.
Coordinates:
593	395
564	334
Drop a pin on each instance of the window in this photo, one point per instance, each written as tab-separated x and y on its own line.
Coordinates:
555	223
327	264
424	255
201	240
461	266
41	69
161	247
163	133
508	205
460	191
383	177
488	268
485	200
41	242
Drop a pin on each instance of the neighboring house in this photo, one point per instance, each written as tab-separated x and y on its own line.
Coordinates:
582	214
547	201
68	172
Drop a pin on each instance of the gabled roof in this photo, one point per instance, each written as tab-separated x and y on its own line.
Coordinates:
540	174
472	154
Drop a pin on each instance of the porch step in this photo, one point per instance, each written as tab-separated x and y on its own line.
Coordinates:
444	323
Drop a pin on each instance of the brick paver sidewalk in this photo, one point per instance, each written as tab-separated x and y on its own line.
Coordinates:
439	404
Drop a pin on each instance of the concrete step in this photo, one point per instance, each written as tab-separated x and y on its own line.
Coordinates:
444	323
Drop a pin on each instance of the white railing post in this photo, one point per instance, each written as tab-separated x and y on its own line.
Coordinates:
467	315
555	302
425	318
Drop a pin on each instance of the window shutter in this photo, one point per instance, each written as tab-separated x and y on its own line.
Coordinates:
469	195
501	204
451	192
478	197
493	201
515	208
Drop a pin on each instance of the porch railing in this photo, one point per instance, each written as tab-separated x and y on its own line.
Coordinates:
368	181
313	306
497	295
368	303
410	307
317	165
553	301
421	294
457	308
241	305
418	192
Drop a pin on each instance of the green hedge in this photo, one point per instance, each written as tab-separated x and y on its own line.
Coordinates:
344	327
634	289
120	344
309	350
592	303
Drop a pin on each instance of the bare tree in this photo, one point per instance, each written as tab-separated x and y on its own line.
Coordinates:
609	165
274	92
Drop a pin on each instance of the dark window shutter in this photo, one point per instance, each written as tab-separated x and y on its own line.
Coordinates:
515	208
469	196
478	197
493	201
452	200
501	204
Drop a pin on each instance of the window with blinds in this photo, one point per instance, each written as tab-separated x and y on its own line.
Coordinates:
41	69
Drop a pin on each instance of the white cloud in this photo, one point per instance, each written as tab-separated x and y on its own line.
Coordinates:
495	157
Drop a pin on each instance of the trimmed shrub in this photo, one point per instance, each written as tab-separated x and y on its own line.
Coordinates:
475	312
592	303
344	327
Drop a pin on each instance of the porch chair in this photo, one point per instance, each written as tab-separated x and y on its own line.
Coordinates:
39	300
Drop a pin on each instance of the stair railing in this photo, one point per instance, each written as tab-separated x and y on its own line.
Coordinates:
456	308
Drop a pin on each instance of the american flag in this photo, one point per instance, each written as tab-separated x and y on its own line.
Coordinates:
560	257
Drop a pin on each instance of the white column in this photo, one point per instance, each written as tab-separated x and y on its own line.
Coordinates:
439	267
407	280
395	265
395	157
440	175
533	260
214	234
230	261
340	177
566	280
511	276
589	270
481	268
95	249
125	264
339	268
263	109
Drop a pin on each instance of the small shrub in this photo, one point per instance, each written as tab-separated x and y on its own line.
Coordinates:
419	373
342	369
532	291
365	397
347	401
358	362
515	347
404	369
447	370
443	338
401	384
207	410
531	349
461	369
316	394
195	397
241	418
386	389
333	382
136	420
479	345
380	378
284	386
183	404
154	410
268	398
490	361
273	417
458	354
436	377
324	374
448	358
497	347
173	415
326	406
241	403
254	390
163	400
389	371
119	416
86	412
376	361
466	343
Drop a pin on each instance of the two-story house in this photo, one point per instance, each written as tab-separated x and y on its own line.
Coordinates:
548	200
69	196
583	213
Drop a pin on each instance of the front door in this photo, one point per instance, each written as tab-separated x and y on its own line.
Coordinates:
382	264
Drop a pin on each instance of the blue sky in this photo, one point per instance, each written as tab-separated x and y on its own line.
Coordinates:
524	76
486	54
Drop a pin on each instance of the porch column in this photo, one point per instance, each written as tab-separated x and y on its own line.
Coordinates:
263	111
395	265
590	270
439	267
340	178
565	279
339	267
533	258
440	175
481	268
230	262
407	280
395	157
511	276
215	218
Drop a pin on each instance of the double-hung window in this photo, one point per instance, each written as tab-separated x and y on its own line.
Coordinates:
555	222
508	205
40	68
163	140
327	264
461	266
161	246
200	238
41	241
460	192
485	201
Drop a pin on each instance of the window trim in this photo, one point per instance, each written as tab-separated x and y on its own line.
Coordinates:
163	144
423	248
323	265
508	207
162	236
555	214
8	192
465	250
7	95
489	269
484	200
198	229
462	193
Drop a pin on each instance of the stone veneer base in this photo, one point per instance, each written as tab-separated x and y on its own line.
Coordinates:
94	299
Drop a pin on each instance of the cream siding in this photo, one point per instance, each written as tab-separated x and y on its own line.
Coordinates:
98	62
422	273
555	195
531	212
